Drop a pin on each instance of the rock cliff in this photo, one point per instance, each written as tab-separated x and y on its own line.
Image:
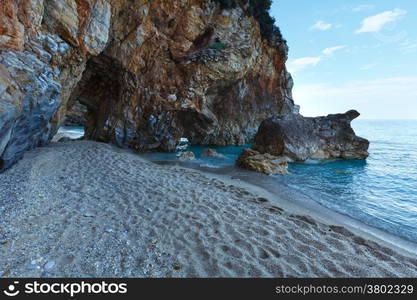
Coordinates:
149	72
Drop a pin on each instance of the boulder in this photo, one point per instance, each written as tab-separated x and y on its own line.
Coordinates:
209	152
299	138
263	163
186	155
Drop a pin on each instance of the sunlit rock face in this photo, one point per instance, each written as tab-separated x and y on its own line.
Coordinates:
149	72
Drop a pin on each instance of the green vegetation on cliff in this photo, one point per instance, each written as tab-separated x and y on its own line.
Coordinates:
259	9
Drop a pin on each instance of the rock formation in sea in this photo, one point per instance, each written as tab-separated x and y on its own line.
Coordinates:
149	72
266	163
209	152
186	155
297	138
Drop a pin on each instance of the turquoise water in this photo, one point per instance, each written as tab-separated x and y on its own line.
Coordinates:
380	191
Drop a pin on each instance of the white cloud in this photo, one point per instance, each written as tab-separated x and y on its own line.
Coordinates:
302	63
364	7
299	64
321	25
329	51
377	22
372	98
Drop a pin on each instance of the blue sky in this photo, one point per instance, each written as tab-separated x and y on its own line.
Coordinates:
348	54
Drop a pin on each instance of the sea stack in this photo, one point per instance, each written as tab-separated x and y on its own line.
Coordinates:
298	138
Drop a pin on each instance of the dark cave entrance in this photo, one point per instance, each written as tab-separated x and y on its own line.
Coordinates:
95	96
194	127
117	110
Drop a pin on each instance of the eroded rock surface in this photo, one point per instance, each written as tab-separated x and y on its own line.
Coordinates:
299	138
186	155
209	152
150	72
263	163
76	115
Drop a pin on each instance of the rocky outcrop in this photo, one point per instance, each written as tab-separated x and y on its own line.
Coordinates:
149	72
299	138
263	163
209	152
40	65
186	155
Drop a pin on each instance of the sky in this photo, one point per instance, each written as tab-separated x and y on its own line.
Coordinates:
352	54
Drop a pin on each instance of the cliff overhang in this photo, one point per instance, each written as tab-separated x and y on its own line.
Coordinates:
149	72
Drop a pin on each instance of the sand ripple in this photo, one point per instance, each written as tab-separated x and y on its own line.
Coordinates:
97	211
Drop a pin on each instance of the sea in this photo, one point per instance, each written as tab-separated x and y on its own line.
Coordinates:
380	191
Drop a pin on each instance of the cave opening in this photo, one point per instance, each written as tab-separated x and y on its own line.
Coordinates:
195	128
73	126
110	104
92	101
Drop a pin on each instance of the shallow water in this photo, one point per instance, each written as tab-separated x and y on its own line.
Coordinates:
380	191
73	132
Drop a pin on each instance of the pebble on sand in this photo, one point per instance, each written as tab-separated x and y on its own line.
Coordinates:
49	265
89	215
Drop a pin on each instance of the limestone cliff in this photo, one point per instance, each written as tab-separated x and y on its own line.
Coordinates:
149	72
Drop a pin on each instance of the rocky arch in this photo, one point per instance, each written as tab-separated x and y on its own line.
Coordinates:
108	90
129	62
99	89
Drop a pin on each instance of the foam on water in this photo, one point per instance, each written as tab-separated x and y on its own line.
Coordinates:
73	132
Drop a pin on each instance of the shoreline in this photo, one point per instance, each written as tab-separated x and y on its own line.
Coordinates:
303	204
81	209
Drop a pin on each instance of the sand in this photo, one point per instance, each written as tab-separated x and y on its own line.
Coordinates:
86	209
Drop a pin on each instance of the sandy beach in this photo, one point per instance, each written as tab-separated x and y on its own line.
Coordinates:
86	209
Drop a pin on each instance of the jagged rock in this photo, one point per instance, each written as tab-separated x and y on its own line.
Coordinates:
74	120
124	60
10	108
263	163
186	155
299	138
